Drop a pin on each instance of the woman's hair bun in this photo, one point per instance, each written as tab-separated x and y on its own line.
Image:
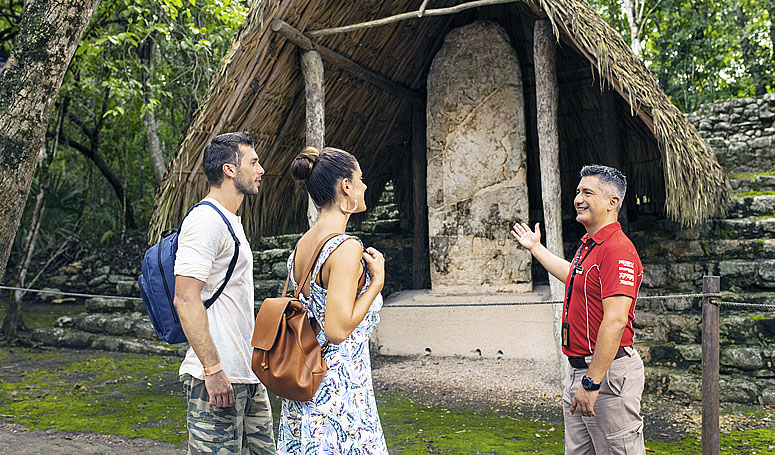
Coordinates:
302	165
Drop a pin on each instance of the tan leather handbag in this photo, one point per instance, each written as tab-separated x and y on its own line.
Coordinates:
287	357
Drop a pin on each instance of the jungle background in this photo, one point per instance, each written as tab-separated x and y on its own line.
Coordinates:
139	74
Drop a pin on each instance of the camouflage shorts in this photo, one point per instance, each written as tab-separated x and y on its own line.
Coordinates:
245	428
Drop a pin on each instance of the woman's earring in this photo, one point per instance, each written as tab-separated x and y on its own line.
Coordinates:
348	212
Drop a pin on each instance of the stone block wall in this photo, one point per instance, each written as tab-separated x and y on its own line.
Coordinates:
740	131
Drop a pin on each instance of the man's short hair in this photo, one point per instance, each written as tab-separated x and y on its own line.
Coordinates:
611	177
223	149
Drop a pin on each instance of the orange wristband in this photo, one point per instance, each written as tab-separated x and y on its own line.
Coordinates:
213	369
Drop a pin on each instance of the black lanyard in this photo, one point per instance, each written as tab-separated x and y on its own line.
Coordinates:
573	274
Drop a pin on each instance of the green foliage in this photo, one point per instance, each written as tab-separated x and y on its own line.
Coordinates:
137	56
10	20
703	50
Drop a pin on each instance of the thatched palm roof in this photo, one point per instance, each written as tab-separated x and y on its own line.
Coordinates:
259	88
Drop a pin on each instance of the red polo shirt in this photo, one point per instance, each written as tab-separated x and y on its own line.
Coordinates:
608	265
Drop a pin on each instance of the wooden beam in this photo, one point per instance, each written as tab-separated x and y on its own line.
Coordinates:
420	262
344	63
422	12
547	103
314	90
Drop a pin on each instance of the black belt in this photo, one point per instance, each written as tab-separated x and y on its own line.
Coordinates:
581	362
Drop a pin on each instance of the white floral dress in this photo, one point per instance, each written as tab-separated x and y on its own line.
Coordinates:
342	416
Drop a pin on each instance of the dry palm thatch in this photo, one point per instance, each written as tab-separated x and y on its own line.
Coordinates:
259	88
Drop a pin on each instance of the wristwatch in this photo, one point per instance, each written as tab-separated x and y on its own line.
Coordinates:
589	384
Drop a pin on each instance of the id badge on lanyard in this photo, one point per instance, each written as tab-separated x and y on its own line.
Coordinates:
578	269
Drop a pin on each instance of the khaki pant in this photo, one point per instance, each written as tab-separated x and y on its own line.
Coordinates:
242	429
617	427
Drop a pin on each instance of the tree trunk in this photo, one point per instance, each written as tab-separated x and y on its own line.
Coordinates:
772	30
631	8
13	315
547	97
48	36
312	67
149	118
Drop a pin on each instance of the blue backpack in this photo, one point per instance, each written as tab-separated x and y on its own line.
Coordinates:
157	281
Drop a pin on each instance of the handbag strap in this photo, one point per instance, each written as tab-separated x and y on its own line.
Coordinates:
311	266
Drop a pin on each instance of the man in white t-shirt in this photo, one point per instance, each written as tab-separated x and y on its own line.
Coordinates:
228	407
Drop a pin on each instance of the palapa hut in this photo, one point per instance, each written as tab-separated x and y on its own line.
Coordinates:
597	103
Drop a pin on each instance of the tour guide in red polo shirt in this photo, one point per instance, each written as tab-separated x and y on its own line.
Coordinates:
605	382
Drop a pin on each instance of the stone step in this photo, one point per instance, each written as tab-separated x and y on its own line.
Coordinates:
265	289
757	328
755	205
286	241
715	250
687	276
102	305
688	384
693	304
751	361
382	225
78	339
134	325
757	183
271	263
733	228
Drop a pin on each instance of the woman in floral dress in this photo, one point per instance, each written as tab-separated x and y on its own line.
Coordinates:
342	416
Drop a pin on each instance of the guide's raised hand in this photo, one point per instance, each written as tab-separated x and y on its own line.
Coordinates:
527	238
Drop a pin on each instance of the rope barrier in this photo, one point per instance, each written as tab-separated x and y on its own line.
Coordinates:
741	305
69	294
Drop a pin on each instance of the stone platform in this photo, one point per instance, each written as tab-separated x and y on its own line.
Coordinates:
514	332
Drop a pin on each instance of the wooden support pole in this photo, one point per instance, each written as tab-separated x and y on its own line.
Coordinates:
312	68
422	12
547	100
420	260
344	63
710	367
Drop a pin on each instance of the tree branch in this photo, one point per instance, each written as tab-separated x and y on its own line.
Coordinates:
96	158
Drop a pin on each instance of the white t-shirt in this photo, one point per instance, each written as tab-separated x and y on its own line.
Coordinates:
205	249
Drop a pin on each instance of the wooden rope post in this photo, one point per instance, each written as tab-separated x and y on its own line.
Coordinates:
420	259
710	367
312	68
547	102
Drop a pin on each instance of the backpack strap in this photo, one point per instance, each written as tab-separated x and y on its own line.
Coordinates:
310	266
234	258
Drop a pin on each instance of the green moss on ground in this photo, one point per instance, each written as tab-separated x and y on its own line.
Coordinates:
140	396
747	175
122	394
412	428
754	193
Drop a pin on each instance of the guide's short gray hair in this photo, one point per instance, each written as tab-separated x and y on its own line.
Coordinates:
612	177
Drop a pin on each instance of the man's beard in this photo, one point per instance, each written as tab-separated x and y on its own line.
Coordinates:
243	186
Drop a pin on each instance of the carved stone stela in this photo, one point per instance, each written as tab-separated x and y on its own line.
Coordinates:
476	164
